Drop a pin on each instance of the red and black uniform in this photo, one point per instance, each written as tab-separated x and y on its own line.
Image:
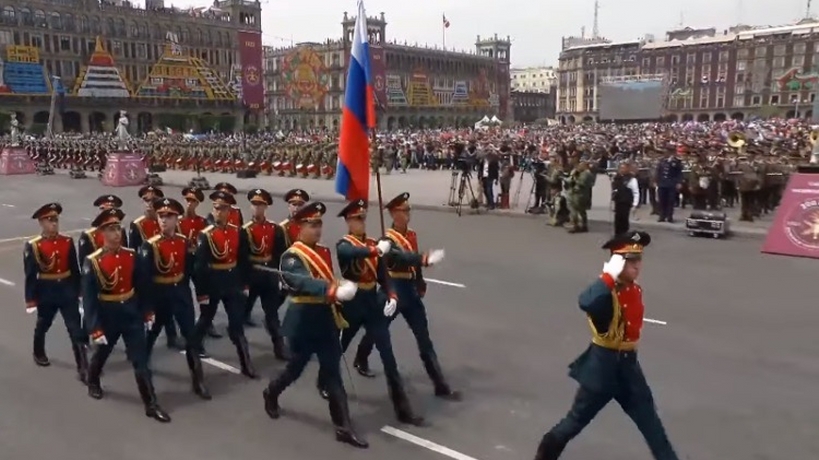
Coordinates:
220	274
52	284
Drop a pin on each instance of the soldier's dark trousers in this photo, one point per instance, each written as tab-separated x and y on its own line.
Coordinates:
266	289
621	217
328	352
637	402
746	202
132	331
71	318
411	307
666	198
233	302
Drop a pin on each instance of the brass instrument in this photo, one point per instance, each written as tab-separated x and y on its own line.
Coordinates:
737	140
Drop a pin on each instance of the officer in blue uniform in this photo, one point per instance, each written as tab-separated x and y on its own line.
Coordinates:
220	271
405	266
168	265
113	309
669	183
264	242
313	320
360	261
52	285
609	368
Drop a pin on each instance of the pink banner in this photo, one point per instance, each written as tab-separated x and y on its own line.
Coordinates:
250	56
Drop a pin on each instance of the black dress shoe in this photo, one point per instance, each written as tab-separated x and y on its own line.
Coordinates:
157	414
203	354
41	360
271	404
412	419
323	393
349	437
449	395
364	370
95	391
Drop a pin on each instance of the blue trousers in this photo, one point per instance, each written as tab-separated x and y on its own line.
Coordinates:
666	198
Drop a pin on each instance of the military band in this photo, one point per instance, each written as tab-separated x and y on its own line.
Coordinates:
52	285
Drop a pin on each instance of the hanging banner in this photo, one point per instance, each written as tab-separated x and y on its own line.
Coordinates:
250	56
378	67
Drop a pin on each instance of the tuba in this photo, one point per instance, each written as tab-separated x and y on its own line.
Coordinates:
737	140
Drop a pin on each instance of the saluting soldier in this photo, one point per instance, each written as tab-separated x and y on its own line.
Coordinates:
168	265
296	199
360	261
609	368
52	285
113	309
405	266
264	243
313	320
91	240
220	271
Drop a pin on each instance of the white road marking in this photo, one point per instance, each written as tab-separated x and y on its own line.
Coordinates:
6	205
7	282
445	283
425	444
24	238
219	365
655	321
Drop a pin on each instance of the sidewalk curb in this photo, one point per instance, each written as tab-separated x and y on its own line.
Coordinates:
743	232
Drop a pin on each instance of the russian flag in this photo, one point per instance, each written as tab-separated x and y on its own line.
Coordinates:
358	118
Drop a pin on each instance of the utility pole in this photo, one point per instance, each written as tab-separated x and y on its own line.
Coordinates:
595	24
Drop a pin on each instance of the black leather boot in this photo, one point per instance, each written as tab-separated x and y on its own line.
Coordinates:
197	375
401	404
340	414
271	397
98	360
549	448
243	350
442	388
280	350
40	357
81	359
361	363
152	409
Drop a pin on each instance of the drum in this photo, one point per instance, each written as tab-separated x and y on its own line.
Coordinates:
311	168
300	167
277	165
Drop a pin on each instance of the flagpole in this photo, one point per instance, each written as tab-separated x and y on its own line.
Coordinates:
443	33
377	164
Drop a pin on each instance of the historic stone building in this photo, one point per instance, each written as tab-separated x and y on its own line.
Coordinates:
415	86
712	75
166	67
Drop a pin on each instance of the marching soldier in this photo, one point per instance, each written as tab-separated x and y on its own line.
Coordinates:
220	272
91	240
113	310
609	368
296	199
360	260
52	284
234	218
748	185
264	243
405	270
146	225
168	265
313	320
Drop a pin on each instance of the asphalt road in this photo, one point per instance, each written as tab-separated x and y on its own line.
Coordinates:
733	367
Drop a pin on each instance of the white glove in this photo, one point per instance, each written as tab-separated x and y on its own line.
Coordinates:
82	310
31	310
101	340
149	323
390	307
614	266
346	290
383	247
435	256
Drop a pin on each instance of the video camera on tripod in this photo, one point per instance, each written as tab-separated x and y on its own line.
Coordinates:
461	183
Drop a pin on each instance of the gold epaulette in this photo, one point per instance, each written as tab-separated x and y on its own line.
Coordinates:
208	229
231	225
94	254
284	222
90	231
35	240
181	235
247	224
138	219
154	239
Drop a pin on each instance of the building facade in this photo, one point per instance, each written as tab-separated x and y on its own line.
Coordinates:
415	86
165	67
737	73
529	106
533	79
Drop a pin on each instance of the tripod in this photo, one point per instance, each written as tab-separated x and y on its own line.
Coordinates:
461	183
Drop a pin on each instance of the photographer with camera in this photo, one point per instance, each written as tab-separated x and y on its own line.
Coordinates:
489	173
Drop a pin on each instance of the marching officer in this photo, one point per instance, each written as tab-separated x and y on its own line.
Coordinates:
91	240
360	261
313	320
405	271
191	225
220	272
168	265
52	284
113	309
296	199
264	243
609	368
235	216
146	225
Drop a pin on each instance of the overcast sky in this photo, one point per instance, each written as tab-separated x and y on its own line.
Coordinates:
535	26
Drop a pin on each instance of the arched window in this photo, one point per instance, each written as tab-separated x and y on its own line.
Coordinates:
9	15
121	31
95	25
68	22
40	19
110	28
56	20
134	29
26	17
84	24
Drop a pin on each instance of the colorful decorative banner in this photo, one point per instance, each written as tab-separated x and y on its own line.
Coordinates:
250	55
306	79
